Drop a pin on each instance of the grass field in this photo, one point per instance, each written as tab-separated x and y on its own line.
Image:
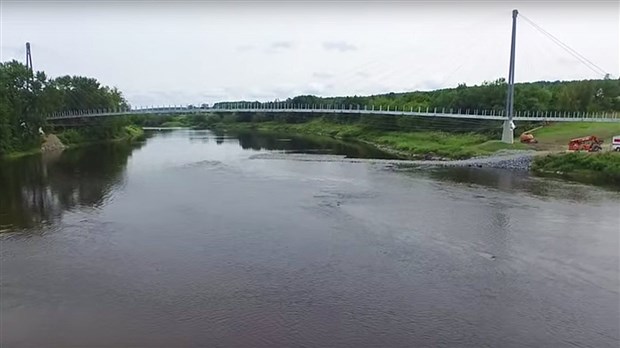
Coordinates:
588	167
555	137
407	144
551	138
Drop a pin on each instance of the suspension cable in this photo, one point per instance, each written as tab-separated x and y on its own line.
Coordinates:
585	61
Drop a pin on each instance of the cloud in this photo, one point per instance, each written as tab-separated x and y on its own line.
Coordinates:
429	85
12	52
282	45
362	74
318	88
341	46
175	97
245	48
322	75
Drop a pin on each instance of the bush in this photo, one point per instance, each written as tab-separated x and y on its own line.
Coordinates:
605	165
71	136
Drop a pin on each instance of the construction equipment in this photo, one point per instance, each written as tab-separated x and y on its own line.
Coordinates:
615	143
589	143
527	138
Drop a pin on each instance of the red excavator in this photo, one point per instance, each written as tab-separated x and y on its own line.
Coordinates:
590	144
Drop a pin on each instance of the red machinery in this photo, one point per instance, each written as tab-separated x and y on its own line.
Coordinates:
590	144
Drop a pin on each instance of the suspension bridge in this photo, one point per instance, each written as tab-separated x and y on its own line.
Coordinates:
508	115
535	116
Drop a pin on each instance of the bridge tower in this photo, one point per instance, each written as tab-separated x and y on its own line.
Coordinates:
508	128
28	57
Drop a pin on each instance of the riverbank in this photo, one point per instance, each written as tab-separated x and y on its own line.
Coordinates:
579	166
555	137
436	145
72	138
438	148
83	136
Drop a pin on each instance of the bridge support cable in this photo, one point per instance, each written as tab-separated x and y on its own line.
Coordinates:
585	61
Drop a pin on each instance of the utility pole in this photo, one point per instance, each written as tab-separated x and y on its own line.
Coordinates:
28	57
508	129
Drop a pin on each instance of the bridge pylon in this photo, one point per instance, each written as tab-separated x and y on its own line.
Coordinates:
508	128
28	57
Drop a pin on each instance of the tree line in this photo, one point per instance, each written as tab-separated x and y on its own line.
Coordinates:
565	96
570	96
27	96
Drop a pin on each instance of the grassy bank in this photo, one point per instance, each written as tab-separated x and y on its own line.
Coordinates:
84	136
555	137
408	144
580	166
75	137
18	154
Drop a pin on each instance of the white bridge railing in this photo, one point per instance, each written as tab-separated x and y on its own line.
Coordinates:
556	116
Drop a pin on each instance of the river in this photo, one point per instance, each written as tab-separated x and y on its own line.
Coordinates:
197	239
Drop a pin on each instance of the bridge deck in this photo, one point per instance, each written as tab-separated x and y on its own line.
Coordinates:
486	115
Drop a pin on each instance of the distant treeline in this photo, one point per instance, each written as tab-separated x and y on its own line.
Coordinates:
586	95
26	97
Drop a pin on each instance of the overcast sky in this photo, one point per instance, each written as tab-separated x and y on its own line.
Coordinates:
162	52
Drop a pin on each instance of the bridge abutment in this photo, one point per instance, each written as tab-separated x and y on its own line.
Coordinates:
508	135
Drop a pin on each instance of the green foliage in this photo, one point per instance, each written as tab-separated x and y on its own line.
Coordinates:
558	134
71	137
413	144
434	143
26	97
134	132
104	130
204	121
579	165
571	96
229	118
172	124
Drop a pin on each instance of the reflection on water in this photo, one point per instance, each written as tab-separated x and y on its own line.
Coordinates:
194	240
37	189
520	181
309	144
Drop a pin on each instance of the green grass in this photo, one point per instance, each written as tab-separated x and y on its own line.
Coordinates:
173	124
492	146
134	133
18	154
552	137
410	144
76	137
581	166
556	136
432	143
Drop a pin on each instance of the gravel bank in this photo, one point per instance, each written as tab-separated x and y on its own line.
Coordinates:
516	160
51	143
512	160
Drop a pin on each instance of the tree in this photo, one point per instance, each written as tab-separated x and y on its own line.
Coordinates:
27	97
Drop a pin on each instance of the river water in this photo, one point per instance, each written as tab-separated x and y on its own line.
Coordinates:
195	239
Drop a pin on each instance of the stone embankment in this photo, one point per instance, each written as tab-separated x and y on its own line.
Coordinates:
51	143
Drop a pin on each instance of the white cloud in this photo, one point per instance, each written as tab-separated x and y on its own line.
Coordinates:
195	52
282	45
245	48
341	46
322	75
